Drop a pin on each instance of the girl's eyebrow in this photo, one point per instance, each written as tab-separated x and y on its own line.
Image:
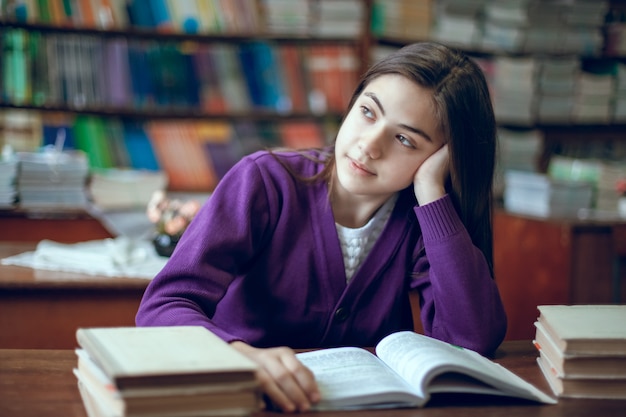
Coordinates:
411	128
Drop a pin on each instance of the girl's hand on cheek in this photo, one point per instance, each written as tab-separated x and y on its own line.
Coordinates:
284	379
430	178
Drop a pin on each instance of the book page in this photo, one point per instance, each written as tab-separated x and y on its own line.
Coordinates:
352	377
436	366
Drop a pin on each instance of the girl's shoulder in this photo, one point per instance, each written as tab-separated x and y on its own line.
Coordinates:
306	162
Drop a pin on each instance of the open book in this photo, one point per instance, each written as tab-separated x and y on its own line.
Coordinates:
406	370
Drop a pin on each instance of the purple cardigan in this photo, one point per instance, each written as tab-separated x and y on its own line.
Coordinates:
262	263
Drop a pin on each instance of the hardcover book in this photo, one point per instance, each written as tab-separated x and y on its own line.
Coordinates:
144	357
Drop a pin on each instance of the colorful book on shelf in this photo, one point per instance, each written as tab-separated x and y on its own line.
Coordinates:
179	148
90	137
117	75
141	75
217	139
161	15
302	134
262	75
212	99
112	14
291	58
231	77
39	68
140	14
348	63
88	16
140	151
43	11
319	68
16	82
185	15
21	129
113	131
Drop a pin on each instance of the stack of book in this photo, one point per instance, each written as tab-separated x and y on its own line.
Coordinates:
52	180
619	112
541	195
556	88
8	174
514	88
114	188
582	350
163	371
594	96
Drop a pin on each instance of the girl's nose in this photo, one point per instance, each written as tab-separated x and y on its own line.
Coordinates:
371	144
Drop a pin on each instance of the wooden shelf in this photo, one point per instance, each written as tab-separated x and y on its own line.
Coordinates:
138	33
177	113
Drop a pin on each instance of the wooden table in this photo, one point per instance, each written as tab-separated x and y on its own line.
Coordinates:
40	383
42	309
555	261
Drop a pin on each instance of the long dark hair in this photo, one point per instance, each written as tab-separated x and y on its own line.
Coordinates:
463	107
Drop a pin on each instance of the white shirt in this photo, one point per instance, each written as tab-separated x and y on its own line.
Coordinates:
357	243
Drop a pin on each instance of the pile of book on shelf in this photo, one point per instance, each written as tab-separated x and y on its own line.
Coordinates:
541	195
582	350
8	174
116	188
163	371
52	179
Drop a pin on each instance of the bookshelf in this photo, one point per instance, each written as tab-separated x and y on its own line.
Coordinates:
187	87
163	63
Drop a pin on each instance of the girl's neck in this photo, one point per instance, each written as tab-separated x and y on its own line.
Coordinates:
355	211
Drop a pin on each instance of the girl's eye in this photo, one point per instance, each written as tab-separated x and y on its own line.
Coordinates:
367	112
405	141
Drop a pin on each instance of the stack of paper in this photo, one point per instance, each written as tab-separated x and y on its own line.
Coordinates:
505	25
289	17
458	22
539	195
403	19
163	371
517	150
338	18
619	112
556	86
574	26
125	188
52	179
607	195
593	99
513	89
8	174
582	350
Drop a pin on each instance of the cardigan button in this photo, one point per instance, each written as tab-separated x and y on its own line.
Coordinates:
341	314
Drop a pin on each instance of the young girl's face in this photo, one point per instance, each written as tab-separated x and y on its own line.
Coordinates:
390	130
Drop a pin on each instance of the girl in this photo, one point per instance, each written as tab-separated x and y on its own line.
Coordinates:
320	248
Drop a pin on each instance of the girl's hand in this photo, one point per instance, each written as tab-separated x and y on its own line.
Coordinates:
284	379
430	178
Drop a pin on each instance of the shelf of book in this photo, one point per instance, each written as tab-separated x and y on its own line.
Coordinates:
112	79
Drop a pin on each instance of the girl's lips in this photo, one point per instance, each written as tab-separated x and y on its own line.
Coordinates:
359	168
